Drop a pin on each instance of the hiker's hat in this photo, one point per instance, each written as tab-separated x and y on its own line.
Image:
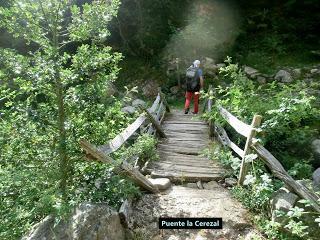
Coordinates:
196	63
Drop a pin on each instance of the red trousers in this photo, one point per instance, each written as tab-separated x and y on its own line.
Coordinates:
189	96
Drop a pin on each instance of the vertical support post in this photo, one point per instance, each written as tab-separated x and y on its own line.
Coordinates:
154	122
163	99
178	73
256	121
210	103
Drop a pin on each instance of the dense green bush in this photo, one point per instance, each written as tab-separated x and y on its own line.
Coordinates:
289	117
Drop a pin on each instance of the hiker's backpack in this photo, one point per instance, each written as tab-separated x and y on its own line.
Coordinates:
192	79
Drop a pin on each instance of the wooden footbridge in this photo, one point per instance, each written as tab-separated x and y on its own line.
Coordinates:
181	151
183	137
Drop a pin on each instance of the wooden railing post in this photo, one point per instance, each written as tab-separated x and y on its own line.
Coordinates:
210	103
178	73
244	166
163	99
154	122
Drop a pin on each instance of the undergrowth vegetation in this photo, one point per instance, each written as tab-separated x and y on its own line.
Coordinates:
289	117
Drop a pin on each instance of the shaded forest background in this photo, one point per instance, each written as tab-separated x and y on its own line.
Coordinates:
145	32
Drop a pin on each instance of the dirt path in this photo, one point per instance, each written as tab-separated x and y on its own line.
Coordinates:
180	201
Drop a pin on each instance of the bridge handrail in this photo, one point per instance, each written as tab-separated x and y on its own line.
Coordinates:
249	131
155	114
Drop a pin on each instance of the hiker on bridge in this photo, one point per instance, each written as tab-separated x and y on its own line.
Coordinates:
194	81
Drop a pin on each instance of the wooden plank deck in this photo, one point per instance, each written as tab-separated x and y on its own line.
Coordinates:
180	153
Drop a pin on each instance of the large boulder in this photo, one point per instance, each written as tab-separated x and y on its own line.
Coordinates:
160	183
230	182
211	185
250	72
138	102
297	73
283	76
261	80
128	109
282	200
40	230
315	145
316	179
208	60
150	88
315	71
221	65
88	221
209	67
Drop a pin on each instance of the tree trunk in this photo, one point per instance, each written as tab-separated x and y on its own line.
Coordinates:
64	166
64	162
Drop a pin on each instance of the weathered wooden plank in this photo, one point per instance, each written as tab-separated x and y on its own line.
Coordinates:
178	177
170	166
224	139
176	157
183	122
186	168
277	169
121	138
188	134
187	117
155	104
185	128
191	131
183	150
123	168
138	178
163	99
183	144
125	212
159	112
242	128
170	153
178	137
162	117
192	135
154	122
94	152
182	162
256	121
189	140
237	150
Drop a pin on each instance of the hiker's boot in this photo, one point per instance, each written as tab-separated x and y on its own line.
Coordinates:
186	111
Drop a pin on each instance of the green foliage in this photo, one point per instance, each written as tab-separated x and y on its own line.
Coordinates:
228	160
272	38
49	99
289	113
301	170
89	22
97	183
257	194
289	118
144	147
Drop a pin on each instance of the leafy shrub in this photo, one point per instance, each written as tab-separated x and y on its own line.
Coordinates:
289	118
289	115
144	147
257	194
